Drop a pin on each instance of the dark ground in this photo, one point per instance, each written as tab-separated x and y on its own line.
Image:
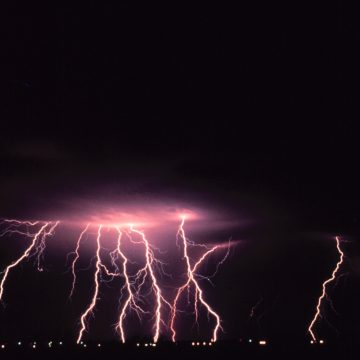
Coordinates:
226	350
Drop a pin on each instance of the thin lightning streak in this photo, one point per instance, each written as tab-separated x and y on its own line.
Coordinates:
324	285
77	255
254	307
203	257
20	222
13	227
108	272
21	258
96	291
40	248
198	291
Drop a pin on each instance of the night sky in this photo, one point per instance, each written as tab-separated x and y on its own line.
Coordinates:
249	112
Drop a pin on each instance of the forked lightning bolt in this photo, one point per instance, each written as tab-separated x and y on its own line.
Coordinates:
150	260
191	279
323	293
132	298
37	244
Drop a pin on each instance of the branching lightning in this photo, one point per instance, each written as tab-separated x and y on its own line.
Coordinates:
37	244
191	279
140	290
324	293
131	300
149	271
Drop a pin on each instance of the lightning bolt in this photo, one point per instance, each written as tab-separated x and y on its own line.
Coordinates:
76	258
131	300
92	304
37	243
191	279
150	259
130	297
324	286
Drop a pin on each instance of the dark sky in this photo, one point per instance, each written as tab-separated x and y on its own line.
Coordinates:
251	110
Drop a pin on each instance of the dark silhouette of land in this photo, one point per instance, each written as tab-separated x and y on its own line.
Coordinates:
184	351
